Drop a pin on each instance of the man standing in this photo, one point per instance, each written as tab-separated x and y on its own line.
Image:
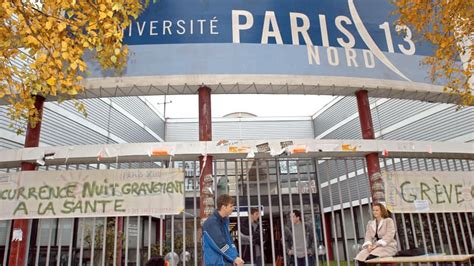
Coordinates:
245	237
218	247
298	248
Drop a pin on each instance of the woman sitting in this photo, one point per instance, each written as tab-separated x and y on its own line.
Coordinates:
379	236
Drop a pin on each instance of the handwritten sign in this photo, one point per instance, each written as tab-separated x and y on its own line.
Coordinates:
91	193
429	191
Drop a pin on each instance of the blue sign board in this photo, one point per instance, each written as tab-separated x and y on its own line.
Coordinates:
320	22
343	39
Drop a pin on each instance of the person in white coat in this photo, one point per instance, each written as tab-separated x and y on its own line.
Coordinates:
379	237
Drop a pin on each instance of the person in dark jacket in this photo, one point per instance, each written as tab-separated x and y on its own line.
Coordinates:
247	244
218	247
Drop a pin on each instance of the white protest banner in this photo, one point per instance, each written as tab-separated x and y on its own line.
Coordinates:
429	191
91	193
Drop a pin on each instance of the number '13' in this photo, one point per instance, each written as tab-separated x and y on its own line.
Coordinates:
408	35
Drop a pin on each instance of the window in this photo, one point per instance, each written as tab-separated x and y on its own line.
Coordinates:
189	167
189	184
288	167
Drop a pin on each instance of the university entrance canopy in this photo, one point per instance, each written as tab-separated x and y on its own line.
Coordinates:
327	47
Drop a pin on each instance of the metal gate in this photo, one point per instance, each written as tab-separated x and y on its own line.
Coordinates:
331	193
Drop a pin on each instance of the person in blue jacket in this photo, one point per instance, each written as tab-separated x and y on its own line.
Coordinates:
217	244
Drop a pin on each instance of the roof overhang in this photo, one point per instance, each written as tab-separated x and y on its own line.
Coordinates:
263	84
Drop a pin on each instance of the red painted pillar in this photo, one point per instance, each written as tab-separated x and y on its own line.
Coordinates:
372	159
328	235
119	221
18	248
205	162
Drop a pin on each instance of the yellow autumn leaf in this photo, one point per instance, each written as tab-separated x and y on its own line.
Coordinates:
102	15
82	66
41	58
72	92
53	91
107	26
48	25
117	6
51	81
62	26
31	40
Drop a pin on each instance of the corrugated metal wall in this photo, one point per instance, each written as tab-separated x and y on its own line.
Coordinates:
336	113
135	107
352	183
396	110
8	144
182	131
243	129
442	126
436	122
339	111
63	125
58	130
106	117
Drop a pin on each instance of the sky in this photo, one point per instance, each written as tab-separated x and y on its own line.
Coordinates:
186	106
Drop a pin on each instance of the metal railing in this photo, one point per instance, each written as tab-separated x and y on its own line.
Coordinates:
332	194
